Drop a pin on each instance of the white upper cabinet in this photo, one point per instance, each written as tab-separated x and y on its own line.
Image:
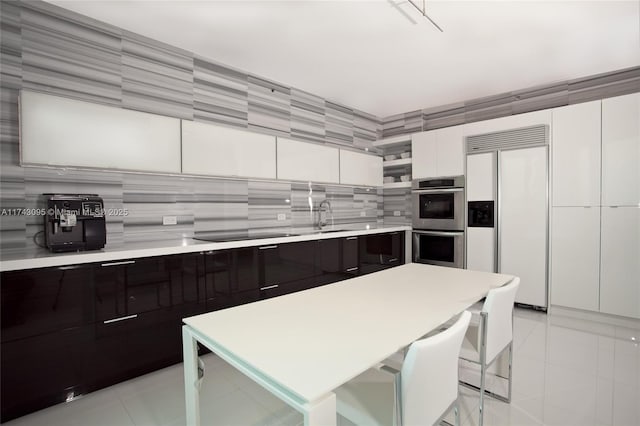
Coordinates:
576	155
209	149
450	151
360	169
621	151
438	153
620	261
57	131
423	151
307	161
575	260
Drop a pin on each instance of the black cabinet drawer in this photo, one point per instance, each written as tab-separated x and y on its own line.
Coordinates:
381	251
136	286
231	277
286	268
337	259
38	301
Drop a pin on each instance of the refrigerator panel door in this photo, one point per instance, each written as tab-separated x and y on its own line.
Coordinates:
480	249
481	177
522	218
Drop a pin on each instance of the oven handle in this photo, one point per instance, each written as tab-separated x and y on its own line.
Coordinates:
440	233
435	191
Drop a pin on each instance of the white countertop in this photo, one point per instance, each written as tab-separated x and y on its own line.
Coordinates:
42	258
310	342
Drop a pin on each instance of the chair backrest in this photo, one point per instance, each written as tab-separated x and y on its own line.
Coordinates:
429	376
499	308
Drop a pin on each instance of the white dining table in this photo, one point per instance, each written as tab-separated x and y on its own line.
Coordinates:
303	345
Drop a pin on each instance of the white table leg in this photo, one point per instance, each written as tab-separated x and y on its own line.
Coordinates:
322	412
191	390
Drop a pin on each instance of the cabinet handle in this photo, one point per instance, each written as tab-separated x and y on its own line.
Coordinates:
355	268
352	238
267	247
393	233
124	262
269	287
128	317
394	259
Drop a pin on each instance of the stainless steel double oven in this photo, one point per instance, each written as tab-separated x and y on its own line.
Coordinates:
438	221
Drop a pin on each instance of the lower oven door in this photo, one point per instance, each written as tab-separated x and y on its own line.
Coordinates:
441	248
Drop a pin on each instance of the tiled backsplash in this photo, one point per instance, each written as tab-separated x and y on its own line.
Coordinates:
48	49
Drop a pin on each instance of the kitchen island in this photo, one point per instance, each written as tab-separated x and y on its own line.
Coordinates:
311	342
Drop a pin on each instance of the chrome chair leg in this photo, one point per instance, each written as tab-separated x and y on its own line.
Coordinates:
456	414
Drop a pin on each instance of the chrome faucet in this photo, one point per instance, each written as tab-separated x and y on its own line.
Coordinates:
324	206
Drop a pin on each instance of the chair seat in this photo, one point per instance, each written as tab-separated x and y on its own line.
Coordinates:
367	399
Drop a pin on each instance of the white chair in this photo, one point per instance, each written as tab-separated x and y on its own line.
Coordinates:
493	334
421	393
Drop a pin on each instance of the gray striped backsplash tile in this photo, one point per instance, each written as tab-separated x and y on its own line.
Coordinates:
305	198
269	106
148	198
221	207
220	94
156	78
11	46
267	200
12	185
63	56
307	116
339	124
397	200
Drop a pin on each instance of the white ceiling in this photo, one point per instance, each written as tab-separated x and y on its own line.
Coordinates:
382	56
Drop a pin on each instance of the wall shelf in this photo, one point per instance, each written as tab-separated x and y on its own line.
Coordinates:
397	163
393	141
396	185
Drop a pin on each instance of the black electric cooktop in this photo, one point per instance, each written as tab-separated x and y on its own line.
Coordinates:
227	238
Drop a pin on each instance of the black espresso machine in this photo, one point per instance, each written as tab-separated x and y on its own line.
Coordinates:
74	222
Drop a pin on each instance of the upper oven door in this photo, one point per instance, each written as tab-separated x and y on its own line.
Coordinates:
441	209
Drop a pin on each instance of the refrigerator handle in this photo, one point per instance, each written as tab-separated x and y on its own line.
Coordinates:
497	216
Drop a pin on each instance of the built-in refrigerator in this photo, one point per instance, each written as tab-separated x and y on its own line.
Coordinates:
508	209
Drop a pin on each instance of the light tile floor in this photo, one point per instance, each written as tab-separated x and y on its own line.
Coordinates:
565	372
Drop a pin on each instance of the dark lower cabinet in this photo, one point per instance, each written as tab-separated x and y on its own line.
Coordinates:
71	330
231	278
381	251
286	268
337	259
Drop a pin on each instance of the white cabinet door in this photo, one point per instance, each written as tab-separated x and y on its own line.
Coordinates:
575	258
438	153
59	131
423	153
213	150
307	161
450	151
576	155
620	261
522	244
621	151
360	169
